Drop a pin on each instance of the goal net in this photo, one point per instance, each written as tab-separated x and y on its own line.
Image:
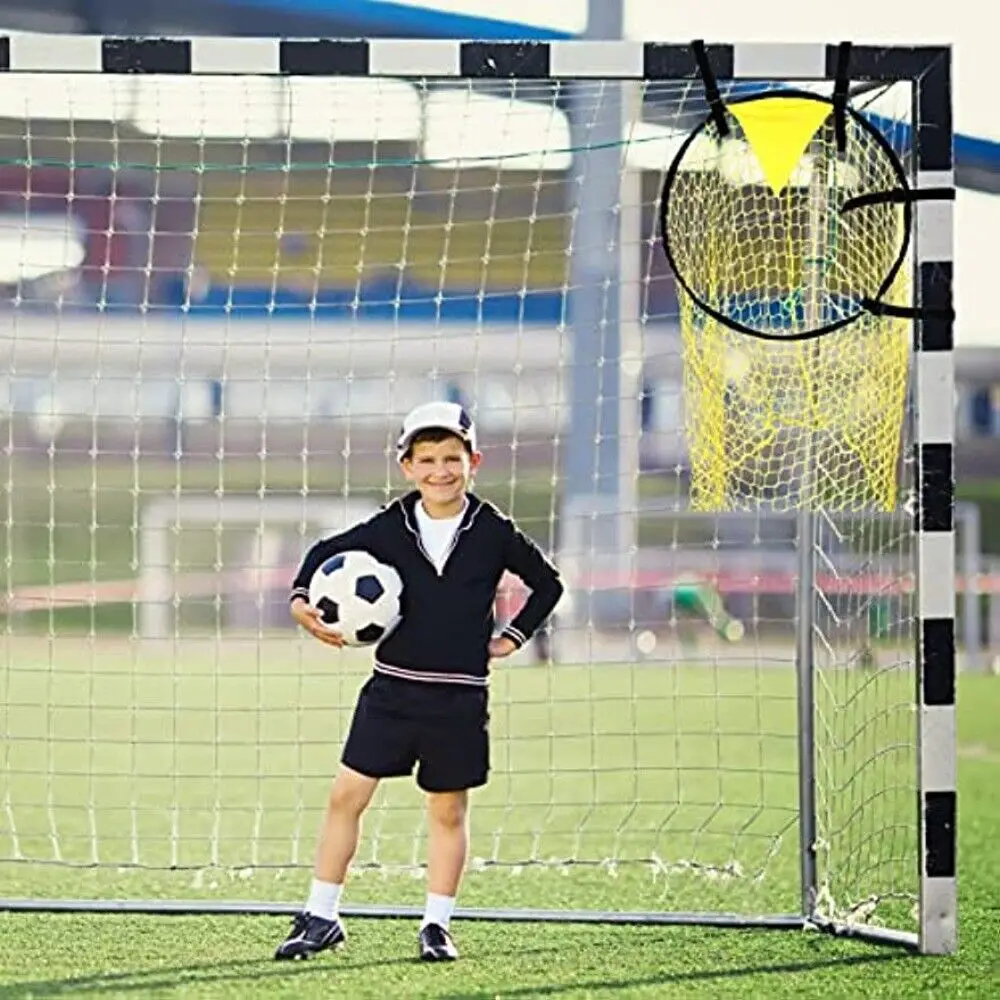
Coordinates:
227	279
778	233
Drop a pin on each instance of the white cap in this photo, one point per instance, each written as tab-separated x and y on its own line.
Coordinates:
448	416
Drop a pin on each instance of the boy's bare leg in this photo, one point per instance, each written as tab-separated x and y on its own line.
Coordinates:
350	794
447	841
318	927
447	850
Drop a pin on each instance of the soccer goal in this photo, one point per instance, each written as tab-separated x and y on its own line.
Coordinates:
698	298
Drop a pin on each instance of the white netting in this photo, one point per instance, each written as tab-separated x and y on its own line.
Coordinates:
219	305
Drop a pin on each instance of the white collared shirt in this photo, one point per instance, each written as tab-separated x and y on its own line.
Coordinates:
437	533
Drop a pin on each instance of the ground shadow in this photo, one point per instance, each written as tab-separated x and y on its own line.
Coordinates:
677	978
206	974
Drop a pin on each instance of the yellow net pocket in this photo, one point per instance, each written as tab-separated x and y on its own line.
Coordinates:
789	243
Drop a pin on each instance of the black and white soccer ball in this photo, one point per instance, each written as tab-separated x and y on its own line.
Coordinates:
357	596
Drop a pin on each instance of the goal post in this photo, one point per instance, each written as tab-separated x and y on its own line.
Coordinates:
801	775
166	577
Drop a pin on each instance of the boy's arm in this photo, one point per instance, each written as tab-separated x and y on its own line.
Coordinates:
356	537
524	558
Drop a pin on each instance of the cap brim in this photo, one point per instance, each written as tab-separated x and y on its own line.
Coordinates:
404	442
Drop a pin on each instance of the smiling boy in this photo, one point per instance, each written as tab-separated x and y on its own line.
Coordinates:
426	704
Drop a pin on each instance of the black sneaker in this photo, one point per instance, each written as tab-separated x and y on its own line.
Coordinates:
309	936
436	944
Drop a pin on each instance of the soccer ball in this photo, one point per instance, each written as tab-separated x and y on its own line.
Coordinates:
357	596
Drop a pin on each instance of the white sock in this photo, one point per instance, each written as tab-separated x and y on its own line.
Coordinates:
438	910
324	898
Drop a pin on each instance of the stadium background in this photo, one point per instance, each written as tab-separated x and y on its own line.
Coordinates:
235	248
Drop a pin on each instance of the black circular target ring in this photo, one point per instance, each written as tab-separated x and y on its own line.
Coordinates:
901	183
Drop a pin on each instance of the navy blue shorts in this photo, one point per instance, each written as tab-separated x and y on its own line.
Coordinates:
442	730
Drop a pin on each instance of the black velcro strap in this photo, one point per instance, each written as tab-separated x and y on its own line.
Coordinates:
877	308
841	84
712	95
898	196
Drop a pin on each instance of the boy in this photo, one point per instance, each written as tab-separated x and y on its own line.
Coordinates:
426	703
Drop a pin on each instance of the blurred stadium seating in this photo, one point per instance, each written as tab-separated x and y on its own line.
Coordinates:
360	207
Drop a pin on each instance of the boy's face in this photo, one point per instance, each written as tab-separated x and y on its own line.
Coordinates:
440	470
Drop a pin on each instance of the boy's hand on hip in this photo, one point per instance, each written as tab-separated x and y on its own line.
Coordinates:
501	647
309	618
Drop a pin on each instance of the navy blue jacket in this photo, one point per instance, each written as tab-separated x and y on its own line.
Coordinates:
447	617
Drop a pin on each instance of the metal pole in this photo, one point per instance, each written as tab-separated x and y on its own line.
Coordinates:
804	669
592	457
805	637
630	328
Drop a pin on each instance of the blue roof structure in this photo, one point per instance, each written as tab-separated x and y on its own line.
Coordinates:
332	18
376	17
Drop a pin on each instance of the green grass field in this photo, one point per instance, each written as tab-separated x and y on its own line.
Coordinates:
213	758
